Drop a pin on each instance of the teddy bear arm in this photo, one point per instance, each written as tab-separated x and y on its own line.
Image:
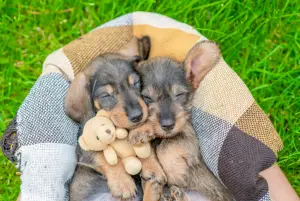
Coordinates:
143	150
132	165
110	155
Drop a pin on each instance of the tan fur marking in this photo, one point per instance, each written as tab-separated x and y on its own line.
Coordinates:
119	116
97	105
144	109
130	80
109	89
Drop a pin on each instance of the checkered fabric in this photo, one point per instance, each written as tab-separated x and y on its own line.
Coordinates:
236	138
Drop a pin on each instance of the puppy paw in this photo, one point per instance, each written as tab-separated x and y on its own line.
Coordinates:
192	160
154	173
141	135
122	187
152	191
177	194
166	196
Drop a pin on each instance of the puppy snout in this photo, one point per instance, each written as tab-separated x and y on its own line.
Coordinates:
167	124
135	115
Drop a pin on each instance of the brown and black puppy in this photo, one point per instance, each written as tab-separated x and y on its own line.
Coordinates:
168	89
109	82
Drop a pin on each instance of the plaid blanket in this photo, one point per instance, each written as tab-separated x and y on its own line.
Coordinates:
236	138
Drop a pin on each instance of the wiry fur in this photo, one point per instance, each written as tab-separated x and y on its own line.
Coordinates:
89	185
109	82
168	88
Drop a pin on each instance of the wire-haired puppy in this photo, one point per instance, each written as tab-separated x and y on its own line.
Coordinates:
168	89
109	82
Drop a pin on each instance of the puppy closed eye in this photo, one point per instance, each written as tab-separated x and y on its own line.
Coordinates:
147	99
105	92
137	83
180	96
104	95
106	100
178	93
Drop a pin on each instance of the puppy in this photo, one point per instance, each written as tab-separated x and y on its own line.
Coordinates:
168	89
109	82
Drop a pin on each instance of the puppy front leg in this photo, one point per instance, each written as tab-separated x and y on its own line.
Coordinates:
173	157
153	178
141	134
120	183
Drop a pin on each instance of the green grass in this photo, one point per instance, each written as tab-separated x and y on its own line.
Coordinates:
259	39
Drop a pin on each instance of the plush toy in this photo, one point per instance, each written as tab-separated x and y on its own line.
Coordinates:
100	134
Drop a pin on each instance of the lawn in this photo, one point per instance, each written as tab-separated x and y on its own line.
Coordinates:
259	39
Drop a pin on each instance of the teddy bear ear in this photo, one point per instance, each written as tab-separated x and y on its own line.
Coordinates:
83	144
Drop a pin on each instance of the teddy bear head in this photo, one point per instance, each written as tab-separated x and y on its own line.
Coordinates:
97	133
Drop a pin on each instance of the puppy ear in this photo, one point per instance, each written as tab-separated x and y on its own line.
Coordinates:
144	44
78	103
200	60
136	47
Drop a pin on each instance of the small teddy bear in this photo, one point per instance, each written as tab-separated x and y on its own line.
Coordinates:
100	134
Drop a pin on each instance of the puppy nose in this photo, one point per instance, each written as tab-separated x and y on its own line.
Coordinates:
135	115
167	124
